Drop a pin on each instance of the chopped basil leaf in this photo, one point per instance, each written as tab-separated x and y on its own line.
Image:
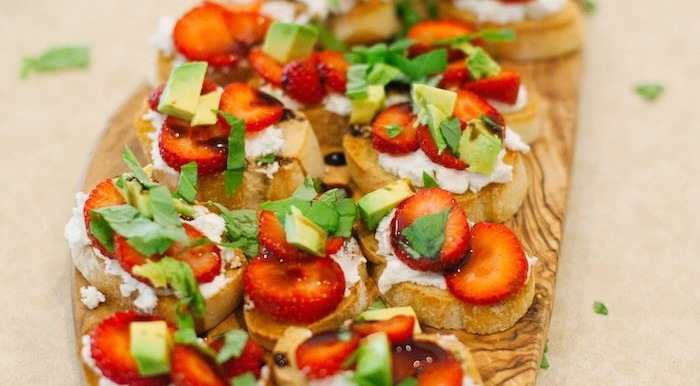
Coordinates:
281	207
147	236
376	53
600	308
323	215
426	235
400	45
422	65
381	74
133	164
357	81
494	127
377	305
649	91
186	334
393	130
245	379
410	381
495	35
429	181
588	6
307	190
266	159
165	214
481	65
452	131
102	231
241	229
57	59
408	16
168	272
544	364
347	209
234	343
327	39
187	185
235	161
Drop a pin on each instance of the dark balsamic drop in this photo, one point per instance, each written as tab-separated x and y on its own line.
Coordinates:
335	159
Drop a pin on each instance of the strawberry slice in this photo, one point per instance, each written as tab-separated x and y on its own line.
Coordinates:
429	363
155	94
496	268
425	202
103	195
429	147
266	66
333	70
256	108
429	31
189	367
247	28
205	260
252	359
272	237
294	290
302	81
399	328
399	116
204	33
502	87
179	143
323	355
110	344
471	106
455	74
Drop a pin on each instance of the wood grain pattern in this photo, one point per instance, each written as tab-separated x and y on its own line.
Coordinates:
511	357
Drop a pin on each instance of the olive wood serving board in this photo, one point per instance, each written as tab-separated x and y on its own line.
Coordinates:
511	357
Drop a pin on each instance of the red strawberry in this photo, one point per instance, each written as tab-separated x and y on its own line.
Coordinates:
103	195
110	344
399	115
272	237
471	106
429	363
446	159
251	359
256	108
294	290
205	260
323	355
399	328
248	28
495	269
429	31
425	202
155	94
266	66
455	74
333	69
189	367
502	87
302	81
180	143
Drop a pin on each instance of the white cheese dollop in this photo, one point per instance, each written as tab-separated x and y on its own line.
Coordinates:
91	297
266	141
499	12
350	259
338	104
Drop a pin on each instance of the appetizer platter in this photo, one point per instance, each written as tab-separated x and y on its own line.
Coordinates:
328	202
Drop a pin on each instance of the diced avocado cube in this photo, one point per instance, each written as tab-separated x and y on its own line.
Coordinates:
150	344
304	233
204	115
479	147
377	204
435	119
181	94
388	313
481	65
444	100
288	41
364	110
374	361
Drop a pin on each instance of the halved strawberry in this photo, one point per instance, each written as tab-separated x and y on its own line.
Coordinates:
155	94
256	108
205	260
189	367
455	74
266	66
297	291
179	143
429	31
248	28
399	328
103	195
272	237
471	106
110	348
333	69
502	87
429	147
397	117
495	269
456	232
429	363
302	81
252	359
204	33
323	354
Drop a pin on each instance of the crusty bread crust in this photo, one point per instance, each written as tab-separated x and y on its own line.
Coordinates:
546	38
328	126
267	330
495	202
301	156
368	22
438	308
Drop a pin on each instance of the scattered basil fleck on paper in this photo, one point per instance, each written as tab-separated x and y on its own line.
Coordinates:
600	308
57	59
649	91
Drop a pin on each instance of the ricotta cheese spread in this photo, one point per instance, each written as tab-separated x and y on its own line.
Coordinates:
500	12
350	259
91	297
338	104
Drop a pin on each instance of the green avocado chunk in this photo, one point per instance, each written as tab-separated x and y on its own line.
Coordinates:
435	106
150	344
364	110
208	103
479	148
377	204
304	233
374	361
288	41
181	94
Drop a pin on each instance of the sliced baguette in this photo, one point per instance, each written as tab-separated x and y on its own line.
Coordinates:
540	39
368	22
495	202
300	156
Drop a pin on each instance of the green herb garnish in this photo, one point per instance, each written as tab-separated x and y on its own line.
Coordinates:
410	381
600	308
357	81
266	159
57	59
426	235
245	379
649	91
241	229
393	131
377	305
175	274
429	181
481	65
327	39
588	6
544	364
187	185
234	343
408	15
452	131
235	161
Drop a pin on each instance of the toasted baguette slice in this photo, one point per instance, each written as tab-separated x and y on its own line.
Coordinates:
438	308
495	202
267	330
328	126
300	156
547	38
368	22
286	372
527	122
